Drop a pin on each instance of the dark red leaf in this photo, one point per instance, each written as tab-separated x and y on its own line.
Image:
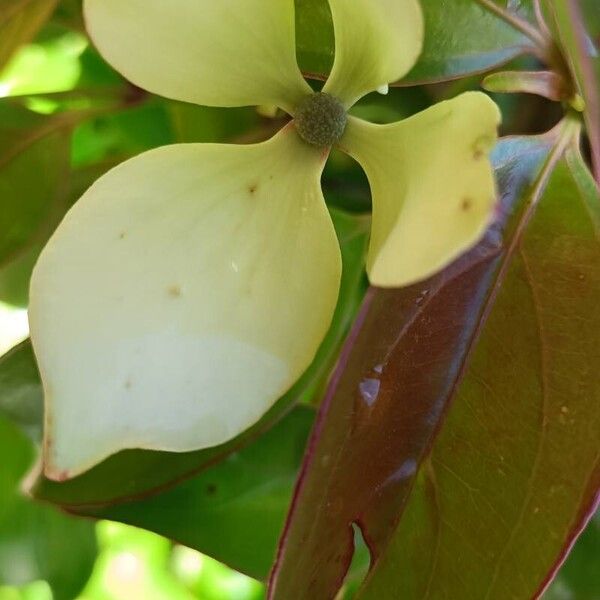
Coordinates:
389	398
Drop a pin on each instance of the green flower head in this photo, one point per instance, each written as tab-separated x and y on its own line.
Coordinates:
191	286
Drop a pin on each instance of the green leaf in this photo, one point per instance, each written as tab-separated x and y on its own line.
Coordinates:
579	577
194	123
21	390
592	18
38	542
514	457
15	277
233	511
20	20
120	134
32	207
462	37
34	163
69	14
132	473
315	41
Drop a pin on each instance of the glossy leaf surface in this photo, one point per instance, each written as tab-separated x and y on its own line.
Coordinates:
370	461
385	389
135	472
38	542
462	49
233	511
449	52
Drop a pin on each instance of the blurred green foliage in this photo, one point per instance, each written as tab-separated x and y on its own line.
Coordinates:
134	564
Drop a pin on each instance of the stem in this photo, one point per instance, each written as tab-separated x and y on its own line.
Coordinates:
109	92
568	130
11	11
519	24
539	17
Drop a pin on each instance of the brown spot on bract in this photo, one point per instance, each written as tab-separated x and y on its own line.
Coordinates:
122	235
175	291
253	188
466	204
481	147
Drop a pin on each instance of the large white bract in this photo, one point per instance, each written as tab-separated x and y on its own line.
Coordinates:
191	286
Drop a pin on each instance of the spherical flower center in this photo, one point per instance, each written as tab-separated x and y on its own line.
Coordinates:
321	120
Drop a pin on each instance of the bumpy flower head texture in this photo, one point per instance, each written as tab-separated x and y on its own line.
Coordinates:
191	286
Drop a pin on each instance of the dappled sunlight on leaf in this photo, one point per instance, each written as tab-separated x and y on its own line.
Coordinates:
40	68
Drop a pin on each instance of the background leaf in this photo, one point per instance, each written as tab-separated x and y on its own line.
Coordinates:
579	577
38	542
30	143
453	47
15	276
20	390
233	511
46	163
592	18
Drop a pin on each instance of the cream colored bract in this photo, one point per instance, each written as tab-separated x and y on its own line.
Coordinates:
192	285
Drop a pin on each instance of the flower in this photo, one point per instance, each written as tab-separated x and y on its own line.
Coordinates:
192	285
